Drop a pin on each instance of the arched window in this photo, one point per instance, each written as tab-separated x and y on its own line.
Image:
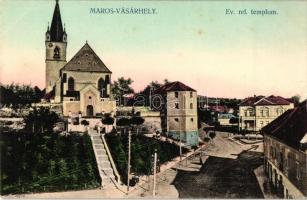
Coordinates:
107	79
56	52
102	87
100	84
191	105
71	84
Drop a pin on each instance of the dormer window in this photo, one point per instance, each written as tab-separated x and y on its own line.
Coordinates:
56	52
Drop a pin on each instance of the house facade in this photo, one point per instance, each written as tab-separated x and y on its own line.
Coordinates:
179	112
285	153
257	112
80	86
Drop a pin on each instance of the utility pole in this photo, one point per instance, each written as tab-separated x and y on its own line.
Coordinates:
129	152
180	149
154	178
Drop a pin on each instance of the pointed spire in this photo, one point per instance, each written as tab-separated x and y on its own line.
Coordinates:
48	27
56	29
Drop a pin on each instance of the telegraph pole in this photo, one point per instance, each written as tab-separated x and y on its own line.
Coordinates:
129	152
180	149
154	178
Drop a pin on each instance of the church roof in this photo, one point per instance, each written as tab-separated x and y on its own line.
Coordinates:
86	60
56	29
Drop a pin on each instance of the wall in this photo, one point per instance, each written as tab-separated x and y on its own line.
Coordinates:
82	79
261	119
53	66
184	119
285	160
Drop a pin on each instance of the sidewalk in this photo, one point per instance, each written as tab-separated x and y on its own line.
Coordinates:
261	177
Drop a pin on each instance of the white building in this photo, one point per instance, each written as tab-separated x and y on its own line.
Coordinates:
257	112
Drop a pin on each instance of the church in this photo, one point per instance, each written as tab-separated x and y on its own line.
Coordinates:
83	84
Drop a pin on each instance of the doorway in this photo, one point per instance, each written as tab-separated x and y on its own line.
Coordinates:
89	111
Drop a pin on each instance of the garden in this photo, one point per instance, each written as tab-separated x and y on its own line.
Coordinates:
37	159
142	149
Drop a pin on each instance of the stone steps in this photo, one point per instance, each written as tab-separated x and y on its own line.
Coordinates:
103	162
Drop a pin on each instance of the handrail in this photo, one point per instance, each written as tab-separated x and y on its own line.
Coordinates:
111	159
96	158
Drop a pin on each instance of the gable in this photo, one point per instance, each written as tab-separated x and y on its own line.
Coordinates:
86	60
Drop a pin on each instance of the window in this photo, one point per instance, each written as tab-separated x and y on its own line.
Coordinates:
56	52
176	120
100	84
177	105
250	112
71	84
191	105
102	87
245	113
191	94
176	94
90	97
261	123
107	79
192	119
64	77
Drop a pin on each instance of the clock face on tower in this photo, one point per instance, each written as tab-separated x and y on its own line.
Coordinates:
50	44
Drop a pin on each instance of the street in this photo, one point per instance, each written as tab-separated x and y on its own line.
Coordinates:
227	172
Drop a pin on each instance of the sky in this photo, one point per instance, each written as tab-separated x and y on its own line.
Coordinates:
194	42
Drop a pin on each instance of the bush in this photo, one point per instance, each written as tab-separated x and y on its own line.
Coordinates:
142	149
46	162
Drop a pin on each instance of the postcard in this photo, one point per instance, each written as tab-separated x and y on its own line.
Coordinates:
153	99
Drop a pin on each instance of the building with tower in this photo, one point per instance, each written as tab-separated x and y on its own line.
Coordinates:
81	85
178	105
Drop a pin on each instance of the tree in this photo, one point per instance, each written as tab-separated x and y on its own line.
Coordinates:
296	99
107	120
234	120
206	139
212	134
120	87
85	122
137	121
41	119
122	122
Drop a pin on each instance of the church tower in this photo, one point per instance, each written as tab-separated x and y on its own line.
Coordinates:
56	43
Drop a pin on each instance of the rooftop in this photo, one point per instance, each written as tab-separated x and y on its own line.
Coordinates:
290	127
86	60
261	100
174	86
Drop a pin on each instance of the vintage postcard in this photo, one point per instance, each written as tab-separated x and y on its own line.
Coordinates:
153	99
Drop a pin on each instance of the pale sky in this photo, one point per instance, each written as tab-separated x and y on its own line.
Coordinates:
192	42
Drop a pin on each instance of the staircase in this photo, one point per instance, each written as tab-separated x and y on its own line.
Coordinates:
106	166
